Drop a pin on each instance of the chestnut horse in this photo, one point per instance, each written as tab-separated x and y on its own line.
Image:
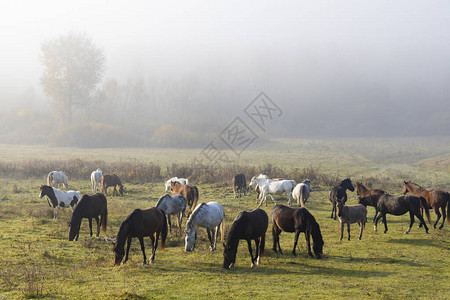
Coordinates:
188	191
362	192
435	198
111	180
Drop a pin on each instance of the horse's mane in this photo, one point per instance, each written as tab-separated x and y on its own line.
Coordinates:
161	199
199	211
52	195
314	228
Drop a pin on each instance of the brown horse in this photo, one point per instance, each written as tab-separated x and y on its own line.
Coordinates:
435	198
111	180
140	223
362	192
188	191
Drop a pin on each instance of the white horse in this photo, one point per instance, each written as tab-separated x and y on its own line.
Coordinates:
207	215
183	181
54	178
59	198
96	180
271	187
301	192
173	205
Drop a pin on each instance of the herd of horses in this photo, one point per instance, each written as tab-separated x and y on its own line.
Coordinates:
155	222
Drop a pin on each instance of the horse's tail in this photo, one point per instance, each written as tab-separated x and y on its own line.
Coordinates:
194	197
164	231
222	229
447	196
302	195
103	183
49	178
424	204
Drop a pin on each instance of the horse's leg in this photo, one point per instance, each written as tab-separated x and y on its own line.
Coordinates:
216	234
376	221
297	232
420	219
262	197
114	191
208	230
385	223
276	238
361	225
348	229
308	242
444	215
170	223
272	199
98	225
141	241
154	245
374	217
342	230
436	210
411	216
258	252
333	211
128	248
90	225
249	243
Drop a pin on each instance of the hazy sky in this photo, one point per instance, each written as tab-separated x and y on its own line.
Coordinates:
306	48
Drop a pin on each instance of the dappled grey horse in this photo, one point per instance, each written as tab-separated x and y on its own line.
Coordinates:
173	205
351	214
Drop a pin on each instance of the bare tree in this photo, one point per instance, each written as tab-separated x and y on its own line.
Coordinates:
73	66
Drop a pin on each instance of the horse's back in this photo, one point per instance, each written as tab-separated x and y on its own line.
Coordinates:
252	224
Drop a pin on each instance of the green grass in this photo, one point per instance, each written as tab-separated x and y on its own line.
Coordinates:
38	260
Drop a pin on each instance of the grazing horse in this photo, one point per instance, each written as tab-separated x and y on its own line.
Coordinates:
175	205
338	193
96	180
188	191
180	180
59	198
141	223
111	180
301	192
362	191
239	184
55	178
248	225
435	198
207	215
89	207
397	206
272	187
352	214
296	220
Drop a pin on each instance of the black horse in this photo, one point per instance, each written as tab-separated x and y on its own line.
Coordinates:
247	226
397	206
140	223
89	207
296	220
338	193
239	185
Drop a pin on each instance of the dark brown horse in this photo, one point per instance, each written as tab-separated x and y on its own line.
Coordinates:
248	225
397	206
140	223
435	198
89	207
338	193
188	191
362	192
111	180
239	185
296	220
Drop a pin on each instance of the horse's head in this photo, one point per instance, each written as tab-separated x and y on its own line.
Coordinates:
74	230
405	187
229	257
347	183
191	236
44	191
317	242
119	253
253	182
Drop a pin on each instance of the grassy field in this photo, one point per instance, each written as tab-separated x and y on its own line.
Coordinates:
38	260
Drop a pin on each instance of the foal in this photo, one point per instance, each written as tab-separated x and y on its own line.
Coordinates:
352	214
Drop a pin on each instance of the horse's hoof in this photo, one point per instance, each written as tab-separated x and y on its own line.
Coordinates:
349	239
440	227
252	265
374	228
258	261
384	231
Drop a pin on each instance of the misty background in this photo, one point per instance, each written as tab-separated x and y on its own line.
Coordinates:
175	74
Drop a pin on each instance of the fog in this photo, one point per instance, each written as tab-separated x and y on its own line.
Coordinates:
334	69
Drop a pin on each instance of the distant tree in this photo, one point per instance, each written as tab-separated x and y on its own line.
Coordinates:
73	66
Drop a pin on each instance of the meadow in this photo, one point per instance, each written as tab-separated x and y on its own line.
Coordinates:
38	261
